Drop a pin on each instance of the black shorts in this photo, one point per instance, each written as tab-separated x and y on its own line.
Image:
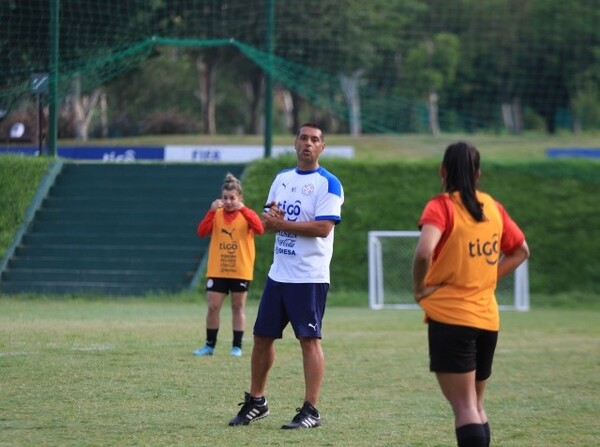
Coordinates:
461	349
226	285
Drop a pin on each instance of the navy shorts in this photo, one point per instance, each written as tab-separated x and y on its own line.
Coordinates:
226	285
461	349
302	305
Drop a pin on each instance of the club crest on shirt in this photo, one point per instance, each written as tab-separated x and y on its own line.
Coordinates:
308	189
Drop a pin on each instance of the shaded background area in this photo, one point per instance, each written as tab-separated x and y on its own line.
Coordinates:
130	67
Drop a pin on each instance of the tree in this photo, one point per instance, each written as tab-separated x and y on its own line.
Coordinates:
83	107
428	67
544	84
352	37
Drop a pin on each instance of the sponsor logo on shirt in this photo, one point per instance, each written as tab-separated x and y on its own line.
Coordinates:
292	210
285	243
488	249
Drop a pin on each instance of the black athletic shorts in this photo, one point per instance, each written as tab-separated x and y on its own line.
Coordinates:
226	285
461	349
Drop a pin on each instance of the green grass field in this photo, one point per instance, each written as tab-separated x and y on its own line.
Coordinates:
120	372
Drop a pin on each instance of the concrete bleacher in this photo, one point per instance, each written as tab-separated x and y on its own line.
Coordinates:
116	229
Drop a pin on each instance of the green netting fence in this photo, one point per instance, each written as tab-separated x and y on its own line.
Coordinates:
376	66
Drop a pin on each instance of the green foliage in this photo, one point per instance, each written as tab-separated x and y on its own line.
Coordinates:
432	64
553	201
160	84
19	179
476	55
121	373
556	204
587	105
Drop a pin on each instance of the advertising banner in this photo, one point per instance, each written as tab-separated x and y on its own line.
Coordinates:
174	153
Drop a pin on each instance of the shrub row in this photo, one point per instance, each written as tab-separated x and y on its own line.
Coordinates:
554	201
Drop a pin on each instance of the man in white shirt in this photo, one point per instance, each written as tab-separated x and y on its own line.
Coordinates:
303	207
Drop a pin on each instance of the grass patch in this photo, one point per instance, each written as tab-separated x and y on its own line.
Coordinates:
19	179
120	372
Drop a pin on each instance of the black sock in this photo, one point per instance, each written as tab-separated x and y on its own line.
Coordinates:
258	400
471	435
237	338
488	433
211	337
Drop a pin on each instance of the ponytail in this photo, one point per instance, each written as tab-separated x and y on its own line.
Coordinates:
461	161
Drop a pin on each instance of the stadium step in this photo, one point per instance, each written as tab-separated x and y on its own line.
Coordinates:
116	229
111	238
108	263
62	274
84	288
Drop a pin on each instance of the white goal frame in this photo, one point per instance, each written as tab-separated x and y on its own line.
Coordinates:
377	292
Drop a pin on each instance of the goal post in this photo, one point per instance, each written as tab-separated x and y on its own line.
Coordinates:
390	274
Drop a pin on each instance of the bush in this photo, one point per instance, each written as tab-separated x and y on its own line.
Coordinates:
168	123
587	107
552	201
120	126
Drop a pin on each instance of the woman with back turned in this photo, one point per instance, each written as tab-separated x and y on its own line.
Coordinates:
467	243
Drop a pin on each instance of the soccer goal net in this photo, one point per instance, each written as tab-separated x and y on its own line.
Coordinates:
390	274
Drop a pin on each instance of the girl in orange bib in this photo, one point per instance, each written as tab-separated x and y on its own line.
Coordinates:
468	241
230	268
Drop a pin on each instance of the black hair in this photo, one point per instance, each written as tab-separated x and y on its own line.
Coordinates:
461	161
312	125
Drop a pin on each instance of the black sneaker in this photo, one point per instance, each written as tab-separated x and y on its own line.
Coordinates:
307	417
250	411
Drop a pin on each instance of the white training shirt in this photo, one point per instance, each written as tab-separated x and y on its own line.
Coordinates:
305	196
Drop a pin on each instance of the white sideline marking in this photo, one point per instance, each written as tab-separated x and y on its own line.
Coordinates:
12	354
95	347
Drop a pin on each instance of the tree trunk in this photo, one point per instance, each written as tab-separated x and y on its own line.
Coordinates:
255	89
296	101
547	114
512	116
350	89
517	113
104	115
206	66
432	107
507	118
83	108
287	103
576	126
